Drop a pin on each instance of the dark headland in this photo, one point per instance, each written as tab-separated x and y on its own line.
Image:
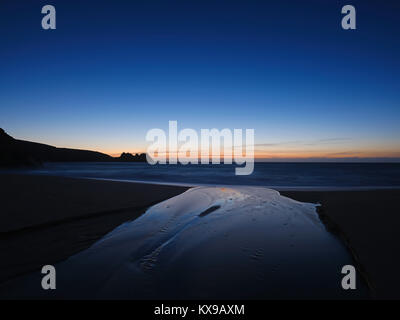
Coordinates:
14	153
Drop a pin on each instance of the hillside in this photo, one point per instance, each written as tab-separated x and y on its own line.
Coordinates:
15	152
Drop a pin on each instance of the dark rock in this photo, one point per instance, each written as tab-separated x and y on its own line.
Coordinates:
15	152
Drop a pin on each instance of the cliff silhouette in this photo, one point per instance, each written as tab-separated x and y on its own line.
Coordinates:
14	152
129	157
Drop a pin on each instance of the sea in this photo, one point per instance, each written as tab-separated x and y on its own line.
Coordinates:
274	175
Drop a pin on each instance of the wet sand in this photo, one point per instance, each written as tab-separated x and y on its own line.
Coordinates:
48	219
369	221
207	243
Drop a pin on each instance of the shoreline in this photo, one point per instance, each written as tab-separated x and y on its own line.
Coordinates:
48	219
277	188
367	222
216	243
332	227
352	214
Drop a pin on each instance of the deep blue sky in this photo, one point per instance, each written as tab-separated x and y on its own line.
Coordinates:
114	69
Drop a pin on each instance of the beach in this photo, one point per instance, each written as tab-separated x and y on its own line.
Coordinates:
369	222
46	219
49	219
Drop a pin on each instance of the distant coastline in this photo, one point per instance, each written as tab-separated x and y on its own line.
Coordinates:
20	153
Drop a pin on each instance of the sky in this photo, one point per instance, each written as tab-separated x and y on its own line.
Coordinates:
112	70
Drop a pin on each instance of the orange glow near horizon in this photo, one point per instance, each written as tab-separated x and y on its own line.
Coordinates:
283	155
347	149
